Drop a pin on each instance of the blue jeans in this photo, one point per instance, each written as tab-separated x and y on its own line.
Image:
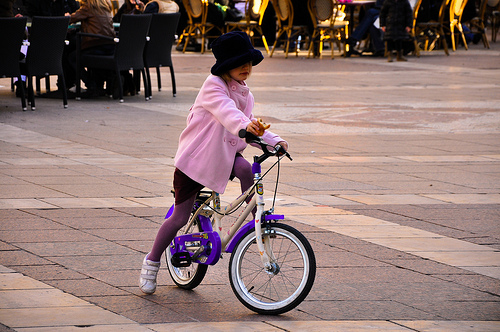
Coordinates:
370	17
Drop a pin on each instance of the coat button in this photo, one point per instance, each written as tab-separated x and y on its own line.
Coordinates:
232	142
233	87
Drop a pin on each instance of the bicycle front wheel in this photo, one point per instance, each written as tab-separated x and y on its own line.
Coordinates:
287	284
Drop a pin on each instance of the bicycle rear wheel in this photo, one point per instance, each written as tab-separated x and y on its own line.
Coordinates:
287	285
191	276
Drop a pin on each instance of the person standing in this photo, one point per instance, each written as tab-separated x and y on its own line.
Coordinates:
396	20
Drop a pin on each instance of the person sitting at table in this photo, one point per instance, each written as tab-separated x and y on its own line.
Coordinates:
365	26
95	17
51	7
161	6
129	7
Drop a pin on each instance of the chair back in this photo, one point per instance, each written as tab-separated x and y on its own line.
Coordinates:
321	10
442	11
11	39
132	41
45	51
284	12
255	9
196	9
162	30
457	9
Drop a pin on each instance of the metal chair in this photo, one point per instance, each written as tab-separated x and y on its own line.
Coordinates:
197	25
44	58
433	32
328	24
13	32
252	22
128	54
477	24
456	11
284	14
158	50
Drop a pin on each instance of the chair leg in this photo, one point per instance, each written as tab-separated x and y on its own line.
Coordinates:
146	85
120	85
158	78
148	93
20	85
31	93
172	75
65	93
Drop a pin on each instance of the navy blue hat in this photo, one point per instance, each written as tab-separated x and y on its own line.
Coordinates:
233	49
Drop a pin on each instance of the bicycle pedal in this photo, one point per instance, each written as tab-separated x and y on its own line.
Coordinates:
181	259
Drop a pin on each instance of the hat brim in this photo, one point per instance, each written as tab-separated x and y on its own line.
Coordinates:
254	56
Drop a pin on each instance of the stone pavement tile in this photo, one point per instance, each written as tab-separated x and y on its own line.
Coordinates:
48	170
75	249
459	325
327	326
62	316
38	298
24	203
218	327
32	223
49	272
90	202
352	274
143	211
425	266
458	310
377	252
140	309
86	287
21	258
365	310
55	235
103	262
468	198
62	214
124	234
474	281
123	221
391	199
12	214
88	328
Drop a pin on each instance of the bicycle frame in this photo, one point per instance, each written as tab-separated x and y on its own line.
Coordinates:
209	244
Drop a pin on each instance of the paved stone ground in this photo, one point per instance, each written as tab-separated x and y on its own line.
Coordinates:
395	182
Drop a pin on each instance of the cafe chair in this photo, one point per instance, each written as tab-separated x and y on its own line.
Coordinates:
158	50
45	51
495	22
12	36
128	54
197	25
252	22
431	33
328	24
456	10
477	24
286	29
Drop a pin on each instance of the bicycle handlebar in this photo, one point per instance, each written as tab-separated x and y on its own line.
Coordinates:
268	150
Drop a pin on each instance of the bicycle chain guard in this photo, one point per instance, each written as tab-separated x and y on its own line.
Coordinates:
202	248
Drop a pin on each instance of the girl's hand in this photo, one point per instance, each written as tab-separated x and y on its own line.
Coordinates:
383	29
284	145
253	127
408	29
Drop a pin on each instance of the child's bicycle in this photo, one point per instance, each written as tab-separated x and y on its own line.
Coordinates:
272	265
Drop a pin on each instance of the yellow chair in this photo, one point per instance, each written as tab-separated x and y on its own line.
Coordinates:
197	25
329	24
432	32
284	14
456	11
252	22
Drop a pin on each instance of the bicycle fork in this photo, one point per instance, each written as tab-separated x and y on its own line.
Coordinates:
266	254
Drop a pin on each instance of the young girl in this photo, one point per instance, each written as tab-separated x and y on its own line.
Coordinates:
209	147
396	20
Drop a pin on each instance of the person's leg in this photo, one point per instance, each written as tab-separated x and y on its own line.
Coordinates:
165	235
399	50
243	171
390	49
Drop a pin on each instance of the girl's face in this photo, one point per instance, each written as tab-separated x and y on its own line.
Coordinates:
241	73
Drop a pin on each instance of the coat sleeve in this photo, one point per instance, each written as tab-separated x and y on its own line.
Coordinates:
216	100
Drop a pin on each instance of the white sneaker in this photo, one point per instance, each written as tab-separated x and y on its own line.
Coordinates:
147	281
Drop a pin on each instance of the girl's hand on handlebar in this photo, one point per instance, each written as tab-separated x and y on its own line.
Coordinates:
283	144
253	127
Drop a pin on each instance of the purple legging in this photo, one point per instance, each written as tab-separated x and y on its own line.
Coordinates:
241	169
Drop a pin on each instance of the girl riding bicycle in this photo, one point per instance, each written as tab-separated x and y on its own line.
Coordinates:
209	151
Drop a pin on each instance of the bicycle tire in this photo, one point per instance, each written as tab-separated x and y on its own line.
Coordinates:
187	277
267	292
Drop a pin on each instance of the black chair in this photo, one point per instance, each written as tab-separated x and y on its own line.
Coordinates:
158	51
11	39
45	51
128	54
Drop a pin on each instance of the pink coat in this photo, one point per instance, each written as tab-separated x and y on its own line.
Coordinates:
209	143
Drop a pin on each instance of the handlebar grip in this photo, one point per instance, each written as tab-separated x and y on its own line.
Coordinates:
247	135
